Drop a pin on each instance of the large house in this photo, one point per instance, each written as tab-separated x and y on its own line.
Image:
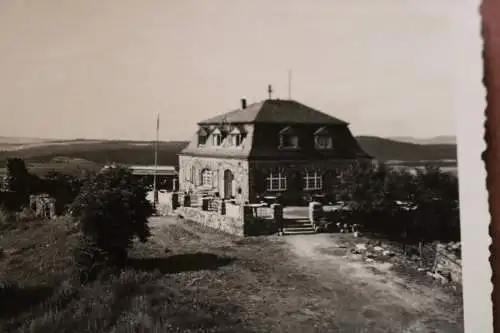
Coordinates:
274	148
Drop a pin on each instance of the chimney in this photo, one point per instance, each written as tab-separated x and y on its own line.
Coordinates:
243	103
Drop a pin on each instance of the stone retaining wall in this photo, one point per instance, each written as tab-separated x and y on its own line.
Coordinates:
214	220
448	262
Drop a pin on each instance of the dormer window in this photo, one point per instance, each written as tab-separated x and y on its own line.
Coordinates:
202	136
216	137
288	138
323	139
236	137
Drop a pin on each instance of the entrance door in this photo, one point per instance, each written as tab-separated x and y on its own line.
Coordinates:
228	184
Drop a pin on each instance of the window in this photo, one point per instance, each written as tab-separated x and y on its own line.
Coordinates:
289	141
206	178
202	140
276	181
236	139
202	136
313	181
216	140
323	142
288	138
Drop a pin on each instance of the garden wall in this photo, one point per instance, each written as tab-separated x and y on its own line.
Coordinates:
229	224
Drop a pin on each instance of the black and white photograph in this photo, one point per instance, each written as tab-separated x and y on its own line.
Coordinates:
242	166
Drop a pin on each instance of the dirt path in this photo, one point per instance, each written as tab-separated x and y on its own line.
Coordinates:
375	284
309	283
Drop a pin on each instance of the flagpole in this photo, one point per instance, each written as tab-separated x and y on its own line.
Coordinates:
155	190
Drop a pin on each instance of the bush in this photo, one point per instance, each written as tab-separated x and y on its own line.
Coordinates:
26	215
88	260
7	218
63	188
111	210
432	194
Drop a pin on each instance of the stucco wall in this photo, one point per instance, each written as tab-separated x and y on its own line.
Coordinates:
190	168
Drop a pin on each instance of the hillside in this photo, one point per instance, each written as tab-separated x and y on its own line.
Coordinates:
141	152
127	152
387	150
442	139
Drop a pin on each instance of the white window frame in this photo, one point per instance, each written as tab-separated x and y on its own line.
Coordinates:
216	140
278	177
206	178
236	140
320	144
313	181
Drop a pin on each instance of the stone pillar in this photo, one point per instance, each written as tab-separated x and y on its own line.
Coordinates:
278	215
315	212
175	200
222	207
247	212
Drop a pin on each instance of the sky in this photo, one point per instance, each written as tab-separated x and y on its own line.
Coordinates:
102	68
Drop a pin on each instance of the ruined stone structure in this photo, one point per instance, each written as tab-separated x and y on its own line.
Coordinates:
43	205
270	149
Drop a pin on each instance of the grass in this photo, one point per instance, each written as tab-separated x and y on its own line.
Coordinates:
188	278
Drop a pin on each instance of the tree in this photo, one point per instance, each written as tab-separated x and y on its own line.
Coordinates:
63	188
19	182
112	210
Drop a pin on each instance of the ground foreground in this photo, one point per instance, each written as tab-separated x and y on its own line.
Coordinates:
191	279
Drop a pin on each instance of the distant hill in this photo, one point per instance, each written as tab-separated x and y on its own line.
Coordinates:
390	150
437	140
102	152
142	152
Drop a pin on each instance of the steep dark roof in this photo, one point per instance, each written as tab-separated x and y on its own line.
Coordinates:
276	111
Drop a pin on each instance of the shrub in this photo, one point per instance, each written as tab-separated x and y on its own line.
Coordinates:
63	188
26	215
111	210
377	189
18	182
88	260
7	218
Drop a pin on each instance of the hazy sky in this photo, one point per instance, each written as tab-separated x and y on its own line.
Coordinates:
101	68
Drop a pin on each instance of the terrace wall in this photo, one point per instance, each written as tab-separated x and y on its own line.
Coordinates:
448	262
229	224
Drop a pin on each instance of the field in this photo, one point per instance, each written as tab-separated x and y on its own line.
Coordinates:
191	279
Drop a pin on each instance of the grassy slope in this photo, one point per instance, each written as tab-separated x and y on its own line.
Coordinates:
191	279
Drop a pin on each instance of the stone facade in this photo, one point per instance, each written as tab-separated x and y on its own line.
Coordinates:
229	176
246	154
